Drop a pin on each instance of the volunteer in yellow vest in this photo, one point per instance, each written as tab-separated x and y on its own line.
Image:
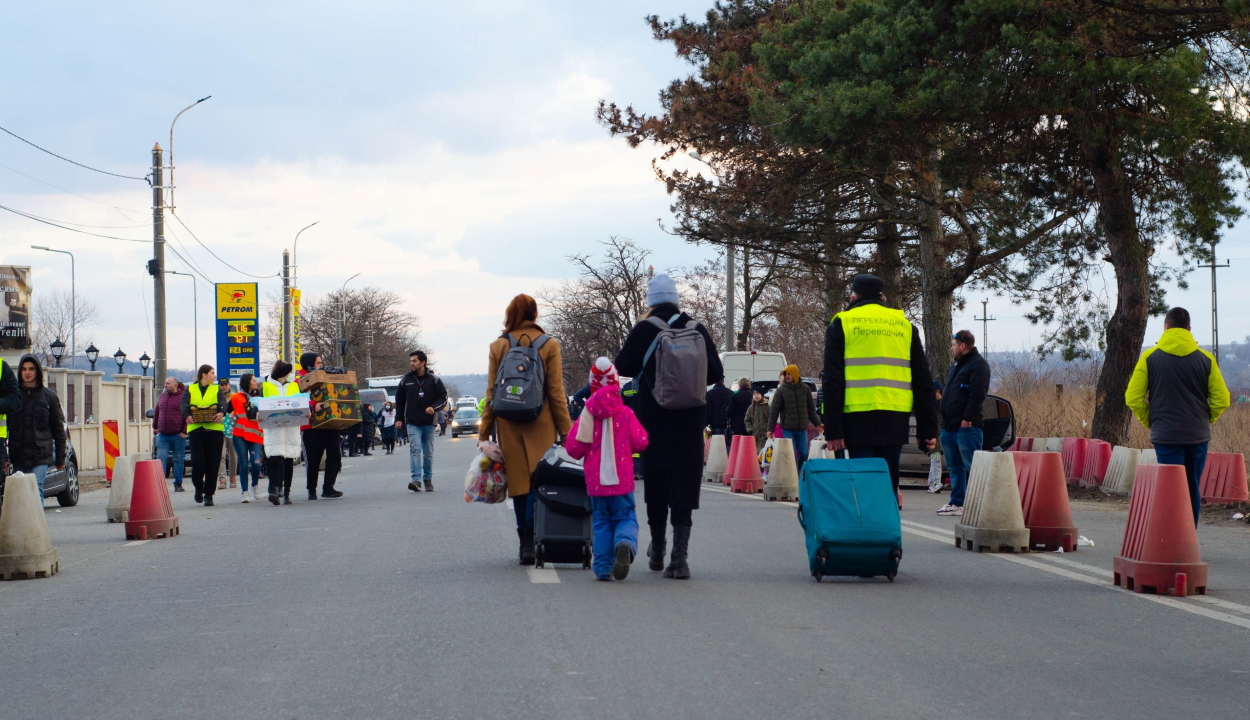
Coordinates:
282	444
875	377
206	438
10	401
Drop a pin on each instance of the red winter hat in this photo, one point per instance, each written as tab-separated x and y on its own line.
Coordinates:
603	372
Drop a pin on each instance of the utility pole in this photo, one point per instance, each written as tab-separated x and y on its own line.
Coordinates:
985	321
288	324
369	350
156	267
729	297
1215	304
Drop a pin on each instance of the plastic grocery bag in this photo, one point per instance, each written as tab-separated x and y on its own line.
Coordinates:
766	458
935	472
485	481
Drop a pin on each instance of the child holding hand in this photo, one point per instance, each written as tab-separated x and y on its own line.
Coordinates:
605	438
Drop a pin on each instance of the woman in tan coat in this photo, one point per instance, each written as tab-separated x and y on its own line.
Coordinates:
524	444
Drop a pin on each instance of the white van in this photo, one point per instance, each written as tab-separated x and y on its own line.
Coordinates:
466	401
752	364
390	384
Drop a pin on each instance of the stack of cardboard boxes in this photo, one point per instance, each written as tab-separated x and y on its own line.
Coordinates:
340	395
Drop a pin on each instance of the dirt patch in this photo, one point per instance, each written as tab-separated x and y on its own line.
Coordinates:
87	484
1223	514
1094	499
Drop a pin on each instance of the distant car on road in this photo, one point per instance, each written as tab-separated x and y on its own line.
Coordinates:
466	422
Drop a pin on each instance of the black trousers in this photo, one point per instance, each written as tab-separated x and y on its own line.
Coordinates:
319	443
280	470
657	517
206	448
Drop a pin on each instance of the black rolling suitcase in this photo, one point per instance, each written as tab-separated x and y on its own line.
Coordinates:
562	531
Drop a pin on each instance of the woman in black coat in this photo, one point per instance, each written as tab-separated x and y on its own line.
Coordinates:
672	464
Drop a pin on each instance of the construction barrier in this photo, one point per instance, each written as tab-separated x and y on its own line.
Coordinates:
730	464
993	519
1224	479
717	460
746	477
118	509
783	475
1050	445
1074	458
1044	500
151	512
25	546
1148	457
1160	551
1022	444
1097	458
1121	471
111	448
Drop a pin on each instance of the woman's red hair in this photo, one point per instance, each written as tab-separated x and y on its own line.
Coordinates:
523	308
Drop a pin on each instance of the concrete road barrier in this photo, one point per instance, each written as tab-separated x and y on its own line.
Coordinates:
783	475
25	546
993	520
717	460
1121	471
1160	550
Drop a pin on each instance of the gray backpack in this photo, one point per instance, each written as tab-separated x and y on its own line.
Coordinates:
680	380
519	385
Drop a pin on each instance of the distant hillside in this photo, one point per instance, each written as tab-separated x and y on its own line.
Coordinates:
474	385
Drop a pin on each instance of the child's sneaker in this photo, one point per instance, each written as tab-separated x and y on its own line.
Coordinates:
624	558
604	578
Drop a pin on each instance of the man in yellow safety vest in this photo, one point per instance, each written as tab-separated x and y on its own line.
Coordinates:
875	377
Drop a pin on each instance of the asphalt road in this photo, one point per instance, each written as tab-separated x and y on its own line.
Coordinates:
390	604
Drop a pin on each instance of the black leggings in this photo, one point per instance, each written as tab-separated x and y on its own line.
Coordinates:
316	444
206	448
657	516
389	445
281	469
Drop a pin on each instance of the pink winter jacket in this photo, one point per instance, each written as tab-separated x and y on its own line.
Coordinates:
626	431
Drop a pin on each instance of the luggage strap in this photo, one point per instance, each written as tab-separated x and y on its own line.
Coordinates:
562	508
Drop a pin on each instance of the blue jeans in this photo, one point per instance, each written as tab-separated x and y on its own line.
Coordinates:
177	445
799	437
1194	458
614	522
248	454
39	471
421	452
957	449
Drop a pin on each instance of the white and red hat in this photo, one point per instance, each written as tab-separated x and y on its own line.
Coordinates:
603	372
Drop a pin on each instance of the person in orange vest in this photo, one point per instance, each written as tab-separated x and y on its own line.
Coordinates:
248	438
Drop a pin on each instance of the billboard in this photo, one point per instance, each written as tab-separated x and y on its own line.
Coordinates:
238	339
15	315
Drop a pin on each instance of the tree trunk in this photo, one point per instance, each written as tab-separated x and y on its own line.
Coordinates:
889	262
1127	327
748	303
835	285
936	295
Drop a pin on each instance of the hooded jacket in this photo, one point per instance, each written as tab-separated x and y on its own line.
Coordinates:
167	417
793	406
37	428
628	438
1177	390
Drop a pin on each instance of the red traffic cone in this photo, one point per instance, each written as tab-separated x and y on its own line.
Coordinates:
1044	499
731	464
1097	458
1022	444
1160	550
747	476
1224	479
1074	458
151	512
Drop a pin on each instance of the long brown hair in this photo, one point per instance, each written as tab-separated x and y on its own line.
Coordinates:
204	370
523	308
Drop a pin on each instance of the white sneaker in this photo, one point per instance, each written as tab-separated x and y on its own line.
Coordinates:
949	509
246	498
254	497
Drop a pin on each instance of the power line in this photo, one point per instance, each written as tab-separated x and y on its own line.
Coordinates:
72	162
189	266
98	227
71	192
187	258
223	262
63	227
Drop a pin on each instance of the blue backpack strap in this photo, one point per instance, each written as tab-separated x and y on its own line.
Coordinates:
539	341
512	342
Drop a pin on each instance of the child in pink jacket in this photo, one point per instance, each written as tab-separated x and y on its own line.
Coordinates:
605	438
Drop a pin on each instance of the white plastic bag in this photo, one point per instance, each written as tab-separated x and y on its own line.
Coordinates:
935	472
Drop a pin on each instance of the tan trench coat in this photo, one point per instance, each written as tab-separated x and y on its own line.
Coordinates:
524	444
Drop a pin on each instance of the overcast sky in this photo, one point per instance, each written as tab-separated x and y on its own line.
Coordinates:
449	150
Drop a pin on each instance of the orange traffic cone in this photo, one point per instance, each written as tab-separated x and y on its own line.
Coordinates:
151	512
1224	479
1074	458
1160	551
1097	459
1044	499
747	477
731	465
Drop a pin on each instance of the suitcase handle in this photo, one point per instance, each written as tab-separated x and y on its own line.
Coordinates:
802	522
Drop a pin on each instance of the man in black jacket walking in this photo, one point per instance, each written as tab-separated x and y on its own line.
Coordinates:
419	396
963	426
37	428
718	399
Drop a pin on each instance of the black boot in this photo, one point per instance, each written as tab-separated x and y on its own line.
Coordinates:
655	551
273	495
527	546
286	498
677	567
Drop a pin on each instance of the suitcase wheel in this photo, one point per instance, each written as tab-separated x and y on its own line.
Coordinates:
818	576
538	555
586	556
890	576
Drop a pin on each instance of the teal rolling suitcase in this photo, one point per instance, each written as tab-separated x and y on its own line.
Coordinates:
849	513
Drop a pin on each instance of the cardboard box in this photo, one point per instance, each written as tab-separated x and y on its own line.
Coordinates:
321	376
280	411
204	414
335	392
336	415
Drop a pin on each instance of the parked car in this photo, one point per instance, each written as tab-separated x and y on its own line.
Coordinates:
61	484
1000	433
169	461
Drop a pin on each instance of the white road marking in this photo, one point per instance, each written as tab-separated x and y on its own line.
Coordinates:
542	576
1084	573
136	542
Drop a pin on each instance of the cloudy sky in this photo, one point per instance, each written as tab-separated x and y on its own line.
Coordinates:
449	150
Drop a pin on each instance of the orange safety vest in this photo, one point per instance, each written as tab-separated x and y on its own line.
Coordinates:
249	430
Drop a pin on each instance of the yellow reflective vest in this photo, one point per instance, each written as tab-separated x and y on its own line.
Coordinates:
4	420
204	398
877	358
270	389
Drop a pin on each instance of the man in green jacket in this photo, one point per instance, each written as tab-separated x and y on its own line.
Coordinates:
1177	392
793	408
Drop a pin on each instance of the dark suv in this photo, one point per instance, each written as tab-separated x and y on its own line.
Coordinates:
1000	433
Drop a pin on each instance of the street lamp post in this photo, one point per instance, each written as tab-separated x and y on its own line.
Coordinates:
73	300
57	348
119	357
290	281
172	206
93	354
145	362
342	341
730	257
195	313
